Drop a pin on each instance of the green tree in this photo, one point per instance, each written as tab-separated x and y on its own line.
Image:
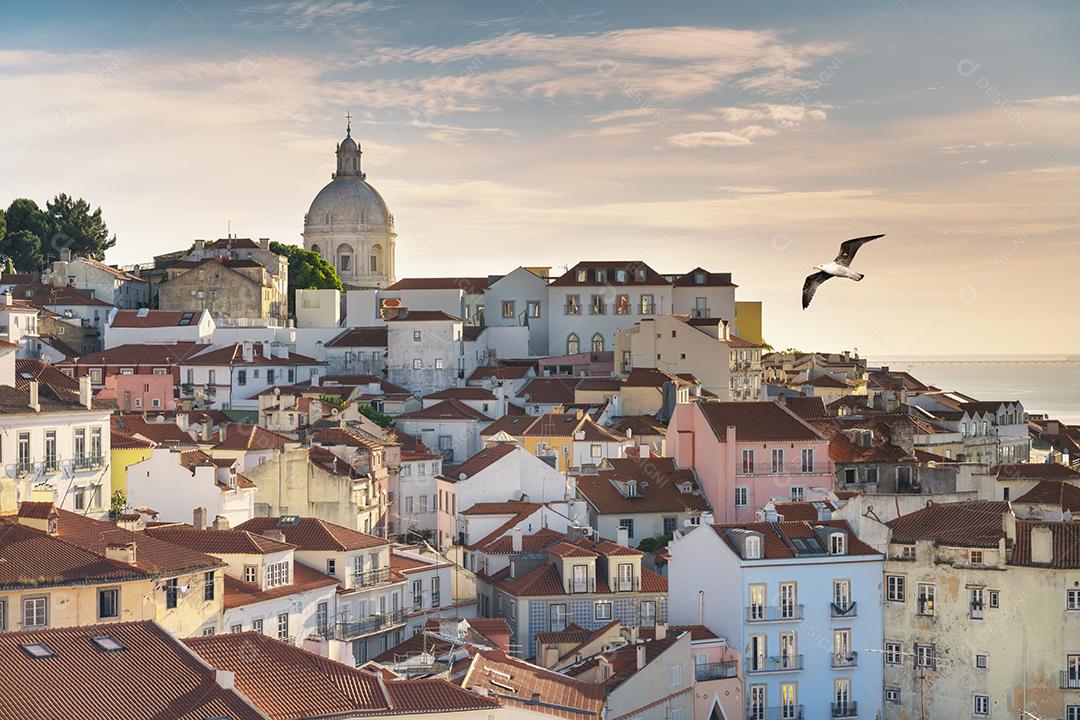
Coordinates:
307	271
379	418
27	229
3	224
76	227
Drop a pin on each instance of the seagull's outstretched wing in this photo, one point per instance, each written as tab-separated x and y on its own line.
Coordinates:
848	248
813	282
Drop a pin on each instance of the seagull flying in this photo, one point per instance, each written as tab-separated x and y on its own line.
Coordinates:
836	268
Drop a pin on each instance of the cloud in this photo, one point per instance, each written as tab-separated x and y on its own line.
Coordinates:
966	148
622	115
305	14
720	138
790	116
1053	101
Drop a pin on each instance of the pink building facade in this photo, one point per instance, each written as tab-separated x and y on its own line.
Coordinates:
747	453
140	393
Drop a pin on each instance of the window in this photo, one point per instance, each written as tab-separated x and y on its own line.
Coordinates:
976	557
270	376
257	625
557	617
837	544
1072	712
236	628
893	653
277	574
573	304
508	309
925	599
417	594
172	592
741	496
50	450
622	304
670	523
24	452
208	631
851	476
212	377
108	603
602	610
907	552
438	363
331	566
283	626
807	460
598	343
596	305
994	598
208	585
417	364
1072	599
753	547
892	694
532	309
778	460
417	336
647	305
798	493
675	675
925	656
241	377
251	573
35	612
895	588
573	345
980	704
982	661
627	523
373	263
871	475
647	613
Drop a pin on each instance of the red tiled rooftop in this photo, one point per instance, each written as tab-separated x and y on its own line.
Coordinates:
756	422
310	533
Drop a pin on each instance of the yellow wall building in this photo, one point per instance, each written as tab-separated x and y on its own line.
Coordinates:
124	451
748	321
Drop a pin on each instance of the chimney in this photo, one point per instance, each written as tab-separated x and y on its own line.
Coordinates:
1053	427
221	522
121	552
225	679
35	405
315	379
264	243
266	352
200	244
248	351
622	536
515	540
85	396
1042	545
274	535
661	632
640	656
198	519
5	299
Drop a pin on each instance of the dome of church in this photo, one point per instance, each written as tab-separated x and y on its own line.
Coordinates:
347	202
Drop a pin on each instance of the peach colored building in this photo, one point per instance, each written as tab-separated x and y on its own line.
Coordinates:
746	453
137	393
718	677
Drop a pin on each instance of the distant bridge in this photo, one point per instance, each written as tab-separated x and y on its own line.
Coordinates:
997	361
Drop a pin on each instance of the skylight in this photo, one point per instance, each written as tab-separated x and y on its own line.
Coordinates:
107	643
37	650
288	521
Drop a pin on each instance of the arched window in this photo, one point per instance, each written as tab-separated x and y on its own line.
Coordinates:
315	249
573	345
376	258
598	343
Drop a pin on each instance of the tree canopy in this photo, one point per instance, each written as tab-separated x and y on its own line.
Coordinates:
35	237
307	271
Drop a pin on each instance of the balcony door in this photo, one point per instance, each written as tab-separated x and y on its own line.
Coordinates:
758	652
581	578
788	600
626	577
757	602
841	591
842	695
789	701
788	650
758	702
1072	671
841	647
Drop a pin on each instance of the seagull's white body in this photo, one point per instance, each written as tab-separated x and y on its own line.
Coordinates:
837	270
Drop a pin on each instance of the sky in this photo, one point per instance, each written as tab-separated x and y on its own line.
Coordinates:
748	138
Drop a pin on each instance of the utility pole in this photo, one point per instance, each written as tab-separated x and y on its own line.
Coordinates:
921	674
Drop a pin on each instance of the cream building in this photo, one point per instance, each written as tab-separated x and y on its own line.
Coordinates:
349	224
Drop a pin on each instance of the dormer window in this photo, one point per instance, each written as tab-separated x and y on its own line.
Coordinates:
620	276
699	278
752	548
837	544
631	488
582	276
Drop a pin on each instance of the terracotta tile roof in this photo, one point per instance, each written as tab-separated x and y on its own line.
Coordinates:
405	564
562	425
1063	495
734	341
516	683
564	548
412	448
1034	471
217	542
510	507
120	441
234	355
36	510
33	558
843	449
544	581
239	593
826	381
41	295
468	285
653	378
45	374
434	695
779	538
658	488
539	541
233	243
164	433
331	463
550	391
153	676
155	318
1064	544
697	632
480	461
342	435
572	634
756	422
423	316
893	378
609	268
807	408
802	511
366	337
598	384
51	399
314	534
500	372
526	509
639	425
513	425
966	524
151	554
708	279
242	436
461	393
446	410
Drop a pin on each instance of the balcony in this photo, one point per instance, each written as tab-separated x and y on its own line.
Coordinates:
87	462
782	712
849	660
577	586
367	578
1070	679
573	309
354	629
842	611
976	612
598	309
417	602
847	709
774	613
774	663
648	309
627	584
716	671
24	467
701	312
435	600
